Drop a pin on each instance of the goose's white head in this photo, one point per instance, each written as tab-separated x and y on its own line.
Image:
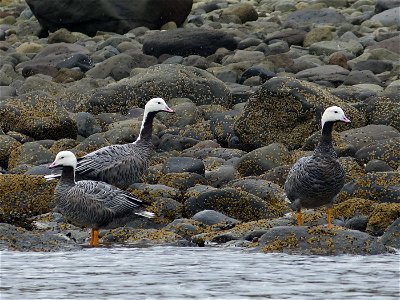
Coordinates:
333	114
64	159
157	105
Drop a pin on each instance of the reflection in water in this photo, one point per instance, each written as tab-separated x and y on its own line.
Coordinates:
195	273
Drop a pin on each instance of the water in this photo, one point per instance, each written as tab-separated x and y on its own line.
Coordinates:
195	273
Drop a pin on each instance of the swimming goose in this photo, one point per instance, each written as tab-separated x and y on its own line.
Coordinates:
92	204
315	180
122	165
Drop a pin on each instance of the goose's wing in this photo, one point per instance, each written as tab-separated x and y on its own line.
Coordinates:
108	196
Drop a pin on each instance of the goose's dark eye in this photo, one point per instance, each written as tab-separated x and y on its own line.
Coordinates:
336	111
158	102
62	157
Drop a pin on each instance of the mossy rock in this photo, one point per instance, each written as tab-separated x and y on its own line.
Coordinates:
37	115
182	181
231	202
319	241
288	110
391	237
149	192
380	186
382	216
387	151
24	196
7	145
352	169
263	159
270	192
31	153
18	239
141	236
352	207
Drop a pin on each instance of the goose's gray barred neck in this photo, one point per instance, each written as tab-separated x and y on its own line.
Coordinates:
315	180
93	204
122	165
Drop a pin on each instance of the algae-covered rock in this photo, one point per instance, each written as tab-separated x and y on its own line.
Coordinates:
19	239
352	207
7	144
382	216
380	186
24	196
387	151
231	202
31	153
37	115
183	180
391	237
319	241
287	110
263	159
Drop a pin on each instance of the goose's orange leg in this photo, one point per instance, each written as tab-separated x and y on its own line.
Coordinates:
299	218
94	239
329	213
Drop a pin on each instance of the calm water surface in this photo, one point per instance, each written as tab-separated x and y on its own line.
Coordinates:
195	273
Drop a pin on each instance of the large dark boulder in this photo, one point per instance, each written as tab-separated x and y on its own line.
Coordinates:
90	16
188	41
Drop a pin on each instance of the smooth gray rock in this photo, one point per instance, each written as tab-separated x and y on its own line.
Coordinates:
391	237
332	73
388	17
212	217
316	16
183	164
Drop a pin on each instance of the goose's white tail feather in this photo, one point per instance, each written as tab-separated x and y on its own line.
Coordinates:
145	214
52	177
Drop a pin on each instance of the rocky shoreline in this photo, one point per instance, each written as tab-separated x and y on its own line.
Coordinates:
248	82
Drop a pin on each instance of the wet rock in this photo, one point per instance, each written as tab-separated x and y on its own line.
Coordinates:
224	153
18	239
76	60
388	17
381	187
167	209
271	193
183	164
391	237
141	237
233	203
377	165
37	115
382	216
287	110
166	81
222	127
212	217
182	181
87	124
188	41
357	223
263	159
220	176
148	192
170	142
7	145
186	228
277	175
31	153
24	196
319	241
386	150
119	17
185	113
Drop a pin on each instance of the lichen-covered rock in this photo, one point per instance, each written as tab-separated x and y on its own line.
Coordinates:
382	216
231	202
352	169
391	237
271	193
166	209
319	241
37	115
287	110
386	150
181	164
31	153
381	187
384	110
263	159
352	207
24	196
182	181
18	239
7	145
149	192
164	80
224	153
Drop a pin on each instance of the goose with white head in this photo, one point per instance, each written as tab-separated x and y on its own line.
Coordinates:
122	165
315	180
92	204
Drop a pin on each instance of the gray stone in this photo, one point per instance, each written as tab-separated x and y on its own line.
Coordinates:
221	175
170	142
87	124
361	77
329	47
391	237
319	241
31	153
7	92
388	17
316	16
375	66
385	150
183	164
376	165
332	73
382	5
212	217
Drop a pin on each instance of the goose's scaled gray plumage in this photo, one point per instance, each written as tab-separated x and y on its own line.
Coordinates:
315	180
122	165
92	204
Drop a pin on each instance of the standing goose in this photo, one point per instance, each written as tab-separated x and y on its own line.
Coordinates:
92	204
315	180
122	165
